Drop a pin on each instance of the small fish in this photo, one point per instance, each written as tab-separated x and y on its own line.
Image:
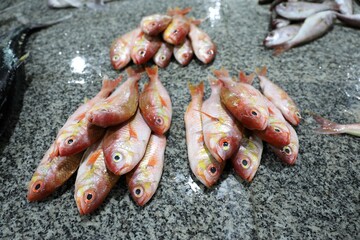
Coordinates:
222	135
155	103
302	10
179	27
77	134
345	6
202	44
247	160
93	181
124	145
153	25
281	35
279	98
276	133
349	20
12	70
120	50
288	154
244	101
163	56
94	4
313	27
328	127
204	166
120	106
144	179
51	173
183	53
144	48
279	23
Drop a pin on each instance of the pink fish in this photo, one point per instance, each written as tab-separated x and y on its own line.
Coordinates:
247	160
221	133
77	134
121	48
288	154
144	48
93	181
163	56
328	127
179	27
144	179
119	106
155	103
279	98
155	24
124	145
202	44
276	132
183	53
52	172
204	166
244	102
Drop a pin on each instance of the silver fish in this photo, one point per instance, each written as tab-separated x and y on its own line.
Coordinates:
345	6
280	22
350	20
281	35
328	127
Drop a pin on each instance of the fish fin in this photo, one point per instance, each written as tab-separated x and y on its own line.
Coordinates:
109	85
249	79
152	72
80	117
197	22
179	11
221	73
94	156
196	89
208	115
201	138
134	72
281	48
54	151
163	102
132	133
261	71
327	126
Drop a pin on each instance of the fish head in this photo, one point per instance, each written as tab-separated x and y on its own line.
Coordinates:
150	25
225	147
107	115
117	159
254	117
88	198
283	8
175	34
119	59
294	117
207	53
158	121
289	153
277	133
42	184
245	164
271	39
140	55
162	60
209	172
141	191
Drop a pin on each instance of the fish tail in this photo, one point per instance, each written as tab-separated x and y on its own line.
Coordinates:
178	11
261	72
327	126
152	72
134	72
249	79
109	85
196	90
281	48
221	73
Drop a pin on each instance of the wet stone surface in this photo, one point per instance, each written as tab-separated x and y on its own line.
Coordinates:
318	198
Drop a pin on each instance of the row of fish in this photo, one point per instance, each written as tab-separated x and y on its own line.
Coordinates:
160	36
233	123
123	132
294	22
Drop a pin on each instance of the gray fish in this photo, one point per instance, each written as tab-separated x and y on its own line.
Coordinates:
345	6
280	22
349	20
328	127
301	10
95	4
281	35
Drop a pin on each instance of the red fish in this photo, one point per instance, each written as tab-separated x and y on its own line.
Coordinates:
163	56
179	27
183	53
202	44
144	48
154	24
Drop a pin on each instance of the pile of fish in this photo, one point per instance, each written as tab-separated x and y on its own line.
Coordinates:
233	123
158	37
121	132
295	22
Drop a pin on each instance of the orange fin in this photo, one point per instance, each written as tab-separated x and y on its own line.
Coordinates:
152	72
261	72
54	151
222	73
132	133
94	156
110	85
80	117
201	138
214	81
280	49
179	11
196	89
208	115
163	102
249	79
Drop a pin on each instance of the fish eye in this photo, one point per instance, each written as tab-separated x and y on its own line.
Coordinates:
117	157
254	113
70	141
89	196
225	144
298	114
37	186
159	121
245	163
210	52
212	169
142	53
287	150
284	4
175	31
163	58
116	57
153	24
271	34
277	129
138	191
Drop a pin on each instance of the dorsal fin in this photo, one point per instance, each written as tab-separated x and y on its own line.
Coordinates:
249	79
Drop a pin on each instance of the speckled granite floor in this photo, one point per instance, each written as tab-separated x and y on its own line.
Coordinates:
318	198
